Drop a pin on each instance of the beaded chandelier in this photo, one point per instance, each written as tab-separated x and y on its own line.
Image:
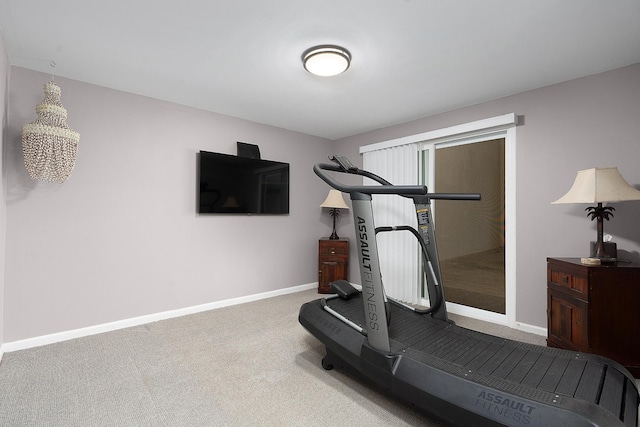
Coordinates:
49	146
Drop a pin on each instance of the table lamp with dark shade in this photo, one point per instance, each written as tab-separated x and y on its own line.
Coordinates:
600	185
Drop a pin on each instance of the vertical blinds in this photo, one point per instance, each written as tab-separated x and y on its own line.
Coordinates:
398	250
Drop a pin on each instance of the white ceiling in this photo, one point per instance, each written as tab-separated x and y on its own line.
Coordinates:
411	58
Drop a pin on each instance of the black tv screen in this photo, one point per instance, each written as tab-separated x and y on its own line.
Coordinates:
231	184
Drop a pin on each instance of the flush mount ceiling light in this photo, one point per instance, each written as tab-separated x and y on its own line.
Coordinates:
326	60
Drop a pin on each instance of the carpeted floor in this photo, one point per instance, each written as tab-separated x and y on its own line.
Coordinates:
246	365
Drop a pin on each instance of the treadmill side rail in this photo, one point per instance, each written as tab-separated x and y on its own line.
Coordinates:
372	291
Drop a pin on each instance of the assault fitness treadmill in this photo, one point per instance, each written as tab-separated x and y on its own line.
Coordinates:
463	377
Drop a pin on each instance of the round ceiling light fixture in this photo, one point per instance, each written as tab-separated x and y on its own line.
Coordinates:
326	60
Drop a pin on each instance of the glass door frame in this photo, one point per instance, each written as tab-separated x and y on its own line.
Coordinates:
504	127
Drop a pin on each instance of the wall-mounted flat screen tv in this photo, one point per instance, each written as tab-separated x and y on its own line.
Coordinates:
230	184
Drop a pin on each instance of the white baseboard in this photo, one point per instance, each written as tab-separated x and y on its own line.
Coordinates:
476	313
141	320
496	318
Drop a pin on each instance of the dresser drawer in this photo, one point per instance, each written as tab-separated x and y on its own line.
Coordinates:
575	282
594	309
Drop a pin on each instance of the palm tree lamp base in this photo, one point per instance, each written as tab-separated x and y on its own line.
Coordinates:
610	248
601	213
334	214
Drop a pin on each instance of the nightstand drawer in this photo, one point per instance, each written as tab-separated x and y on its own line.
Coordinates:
326	249
564	279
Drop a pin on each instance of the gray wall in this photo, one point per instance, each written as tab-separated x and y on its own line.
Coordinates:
4	83
121	238
588	122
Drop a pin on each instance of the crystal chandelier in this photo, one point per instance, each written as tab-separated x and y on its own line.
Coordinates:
49	146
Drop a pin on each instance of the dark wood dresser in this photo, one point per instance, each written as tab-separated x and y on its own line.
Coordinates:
333	262
595	309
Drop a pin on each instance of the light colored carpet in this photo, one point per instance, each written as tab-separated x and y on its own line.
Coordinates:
246	365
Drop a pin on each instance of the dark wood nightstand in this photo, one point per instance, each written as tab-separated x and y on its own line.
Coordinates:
595	309
333	262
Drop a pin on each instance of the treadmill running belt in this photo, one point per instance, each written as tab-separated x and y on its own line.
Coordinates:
542	373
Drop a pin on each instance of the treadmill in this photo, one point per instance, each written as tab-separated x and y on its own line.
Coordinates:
463	377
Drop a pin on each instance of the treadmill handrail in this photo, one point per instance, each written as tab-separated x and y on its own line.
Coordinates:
386	187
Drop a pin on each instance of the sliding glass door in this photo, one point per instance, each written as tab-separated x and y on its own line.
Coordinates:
470	234
476	240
